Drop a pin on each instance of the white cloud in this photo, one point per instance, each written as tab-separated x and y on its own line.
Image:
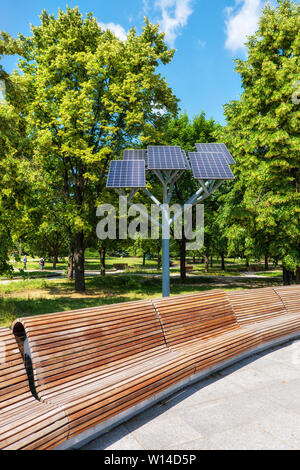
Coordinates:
146	7
242	20
174	15
117	29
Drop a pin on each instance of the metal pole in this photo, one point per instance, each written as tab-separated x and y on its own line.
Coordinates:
165	245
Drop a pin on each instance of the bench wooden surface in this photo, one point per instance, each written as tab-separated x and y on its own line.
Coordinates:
25	423
212	327
290	297
203	326
97	362
267	310
194	316
254	305
91	364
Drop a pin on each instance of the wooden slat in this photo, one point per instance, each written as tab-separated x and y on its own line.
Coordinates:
254	305
195	316
70	345
76	354
97	362
24	422
290	296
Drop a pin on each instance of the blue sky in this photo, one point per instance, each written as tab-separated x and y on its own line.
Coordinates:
207	35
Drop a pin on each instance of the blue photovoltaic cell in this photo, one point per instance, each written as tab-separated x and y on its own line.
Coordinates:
163	157
210	166
126	174
135	154
216	148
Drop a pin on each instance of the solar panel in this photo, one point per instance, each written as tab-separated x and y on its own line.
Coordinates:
166	157
210	166
126	174
216	148
135	154
188	167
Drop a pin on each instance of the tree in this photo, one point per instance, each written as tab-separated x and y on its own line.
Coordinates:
263	135
13	153
90	94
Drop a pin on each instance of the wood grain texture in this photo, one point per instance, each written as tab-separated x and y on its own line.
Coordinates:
25	423
290	297
254	305
195	316
95	363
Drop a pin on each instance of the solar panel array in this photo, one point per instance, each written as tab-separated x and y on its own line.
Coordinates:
162	157
135	154
210	166
188	167
126	174
211	161
216	148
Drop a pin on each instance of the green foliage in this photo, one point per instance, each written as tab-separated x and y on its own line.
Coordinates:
88	96
13	147
262	209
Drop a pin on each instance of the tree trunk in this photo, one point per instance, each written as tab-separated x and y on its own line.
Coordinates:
298	275
247	263
55	257
70	264
182	259
211	261
79	262
144	258
194	259
206	261
287	276
102	252
222	262
266	263
158	261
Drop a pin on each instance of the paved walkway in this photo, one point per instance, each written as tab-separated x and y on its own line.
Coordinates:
254	404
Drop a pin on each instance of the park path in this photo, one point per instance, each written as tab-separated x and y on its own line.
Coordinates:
59	274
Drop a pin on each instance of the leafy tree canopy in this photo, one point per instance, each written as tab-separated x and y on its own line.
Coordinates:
263	135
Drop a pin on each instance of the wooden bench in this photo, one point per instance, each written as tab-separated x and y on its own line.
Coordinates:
290	297
203	326
25	423
121	266
94	365
254	305
265	309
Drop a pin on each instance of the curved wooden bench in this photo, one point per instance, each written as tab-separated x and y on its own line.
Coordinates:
212	327
25	423
96	363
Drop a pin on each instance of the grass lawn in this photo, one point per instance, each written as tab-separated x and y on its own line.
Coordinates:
33	271
32	297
